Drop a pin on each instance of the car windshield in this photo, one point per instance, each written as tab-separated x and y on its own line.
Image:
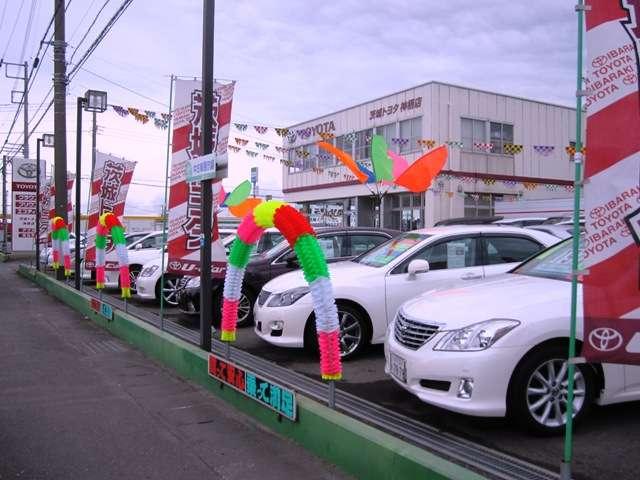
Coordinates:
387	252
554	262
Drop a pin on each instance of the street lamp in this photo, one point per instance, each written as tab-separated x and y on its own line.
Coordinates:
47	141
93	101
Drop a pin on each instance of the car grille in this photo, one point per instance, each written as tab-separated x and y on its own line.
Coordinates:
262	297
412	334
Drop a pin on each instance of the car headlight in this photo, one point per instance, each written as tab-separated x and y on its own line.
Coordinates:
147	272
288	297
476	337
193	282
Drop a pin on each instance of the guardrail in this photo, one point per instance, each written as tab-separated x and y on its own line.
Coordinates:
432	453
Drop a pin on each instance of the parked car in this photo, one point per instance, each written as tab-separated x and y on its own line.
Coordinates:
46	252
369	289
499	347
337	243
139	251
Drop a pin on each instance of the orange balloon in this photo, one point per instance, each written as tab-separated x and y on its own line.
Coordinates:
245	207
346	159
419	175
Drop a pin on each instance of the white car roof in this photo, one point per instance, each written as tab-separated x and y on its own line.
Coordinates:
449	230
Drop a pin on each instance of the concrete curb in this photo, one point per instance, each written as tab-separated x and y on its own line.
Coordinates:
357	448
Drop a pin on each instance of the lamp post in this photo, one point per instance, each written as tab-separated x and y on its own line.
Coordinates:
93	101
48	141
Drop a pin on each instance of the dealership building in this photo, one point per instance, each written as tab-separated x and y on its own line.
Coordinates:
501	149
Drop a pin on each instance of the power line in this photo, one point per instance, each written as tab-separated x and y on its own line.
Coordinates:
74	71
95	19
82	20
125	88
4	10
15	23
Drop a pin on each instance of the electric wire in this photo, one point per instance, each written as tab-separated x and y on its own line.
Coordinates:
95	19
13	29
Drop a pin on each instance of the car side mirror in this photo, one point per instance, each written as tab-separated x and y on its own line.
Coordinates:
292	262
138	246
417	266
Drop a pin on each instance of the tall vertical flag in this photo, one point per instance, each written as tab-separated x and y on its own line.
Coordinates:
612	176
48	204
185	201
109	187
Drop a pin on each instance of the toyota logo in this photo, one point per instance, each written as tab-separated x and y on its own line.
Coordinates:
605	339
174	265
599	61
27	170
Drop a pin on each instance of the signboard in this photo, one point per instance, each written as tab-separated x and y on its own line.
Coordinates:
102	308
23	204
254	175
612	190
271	395
185	199
47	205
201	168
326	214
109	187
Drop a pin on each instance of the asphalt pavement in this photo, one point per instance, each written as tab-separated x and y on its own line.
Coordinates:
76	403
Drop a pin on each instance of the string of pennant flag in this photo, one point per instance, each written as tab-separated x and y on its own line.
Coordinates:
161	120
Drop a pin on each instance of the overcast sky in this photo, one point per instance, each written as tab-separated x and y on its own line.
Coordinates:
292	60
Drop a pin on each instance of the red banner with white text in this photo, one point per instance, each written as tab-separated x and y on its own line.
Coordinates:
109	187
185	202
611	247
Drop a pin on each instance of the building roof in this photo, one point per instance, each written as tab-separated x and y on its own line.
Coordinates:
432	82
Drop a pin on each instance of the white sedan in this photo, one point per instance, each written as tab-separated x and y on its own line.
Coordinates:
499	347
370	288
140	252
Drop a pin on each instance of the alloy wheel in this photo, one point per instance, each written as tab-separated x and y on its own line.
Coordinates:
244	308
547	393
170	290
350	333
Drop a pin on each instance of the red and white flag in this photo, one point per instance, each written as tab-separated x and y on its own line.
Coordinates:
47	206
612	177
185	201
109	186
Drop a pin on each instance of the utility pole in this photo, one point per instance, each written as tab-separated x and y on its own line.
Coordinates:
206	299
24	101
59	115
4	203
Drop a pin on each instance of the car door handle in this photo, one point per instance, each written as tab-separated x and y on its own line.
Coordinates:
471	276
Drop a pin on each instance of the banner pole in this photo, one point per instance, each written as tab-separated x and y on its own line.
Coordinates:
165	210
565	468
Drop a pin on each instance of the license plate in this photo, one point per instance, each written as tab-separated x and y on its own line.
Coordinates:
397	367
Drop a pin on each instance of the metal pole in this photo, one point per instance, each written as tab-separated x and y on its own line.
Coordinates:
565	468
165	211
332	394
206	300
37	235
5	222
59	115
76	268
25	116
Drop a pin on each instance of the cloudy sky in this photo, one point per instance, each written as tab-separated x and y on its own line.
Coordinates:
292	61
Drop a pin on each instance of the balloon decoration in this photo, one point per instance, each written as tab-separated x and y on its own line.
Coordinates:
109	224
388	166
301	237
60	245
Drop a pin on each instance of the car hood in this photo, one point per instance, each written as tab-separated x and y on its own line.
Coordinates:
156	261
341	274
504	296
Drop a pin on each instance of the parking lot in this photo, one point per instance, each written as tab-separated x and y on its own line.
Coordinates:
605	446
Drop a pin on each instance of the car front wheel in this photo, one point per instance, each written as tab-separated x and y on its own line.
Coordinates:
354	332
170	289
538	394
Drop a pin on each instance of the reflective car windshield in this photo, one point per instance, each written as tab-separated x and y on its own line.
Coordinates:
387	252
555	262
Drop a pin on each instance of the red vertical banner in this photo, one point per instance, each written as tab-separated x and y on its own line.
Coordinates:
185	200
109	187
611	253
